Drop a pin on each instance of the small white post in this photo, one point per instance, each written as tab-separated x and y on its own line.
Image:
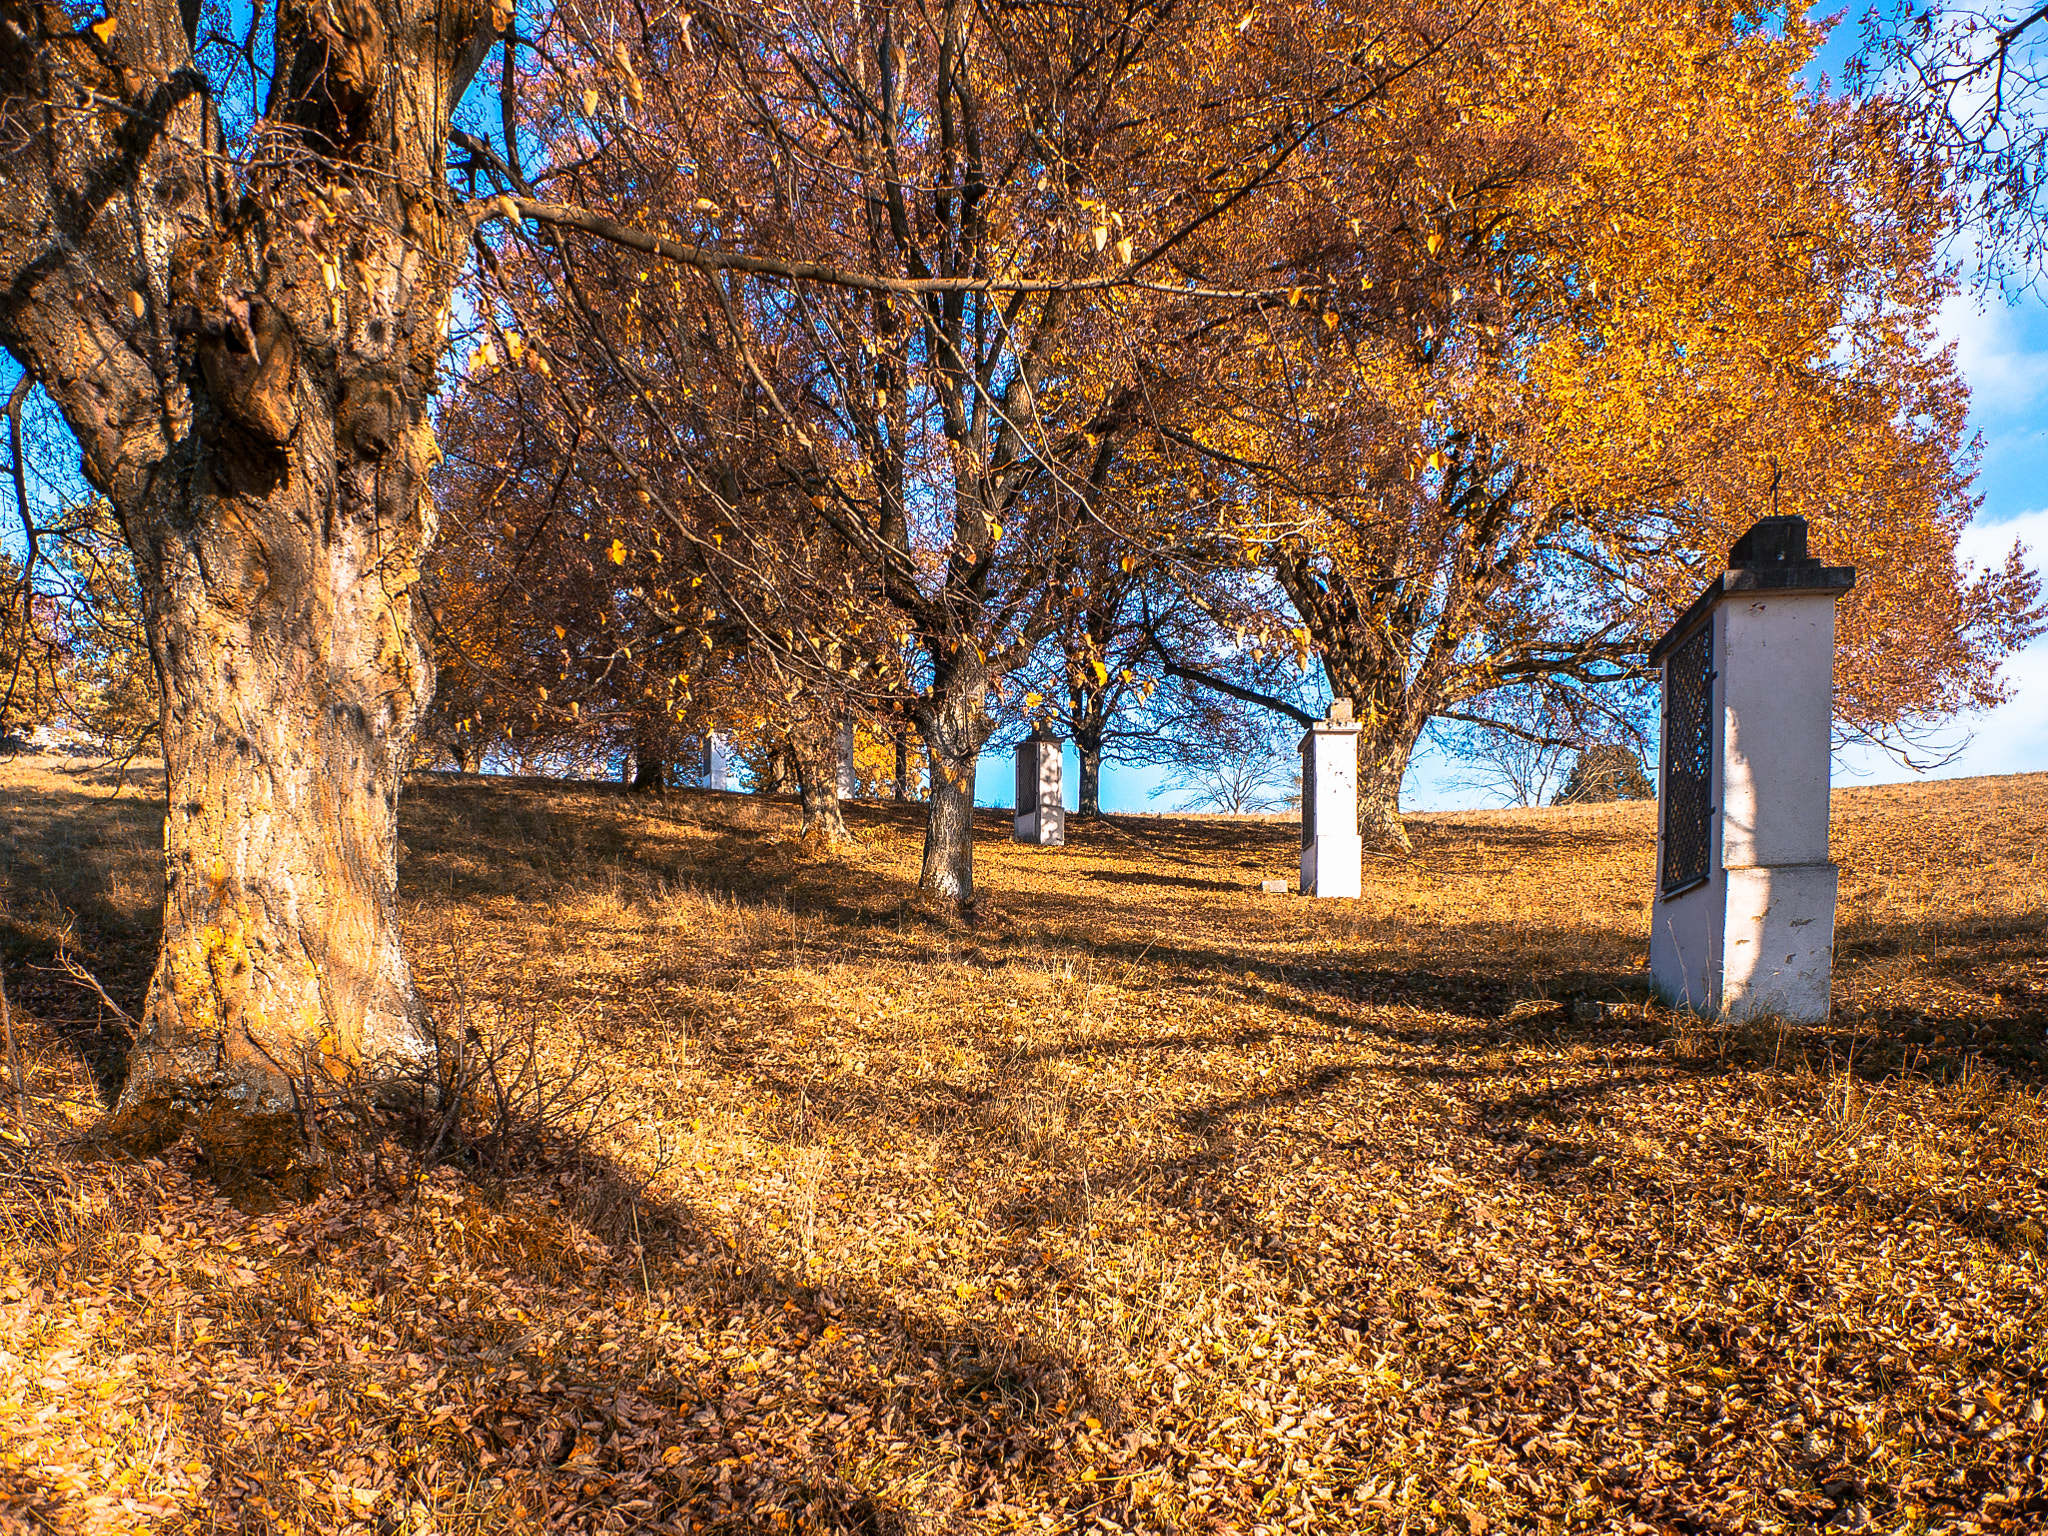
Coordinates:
849	782
1041	813
1331	849
1744	921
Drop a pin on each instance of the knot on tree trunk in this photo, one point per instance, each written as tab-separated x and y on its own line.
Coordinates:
373	416
245	348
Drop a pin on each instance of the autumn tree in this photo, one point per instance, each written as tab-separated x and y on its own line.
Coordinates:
235	290
1029	187
106	688
1631	307
1519	743
1135	604
230	265
30	651
1605	771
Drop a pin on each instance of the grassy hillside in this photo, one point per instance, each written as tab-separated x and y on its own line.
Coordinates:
1144	1202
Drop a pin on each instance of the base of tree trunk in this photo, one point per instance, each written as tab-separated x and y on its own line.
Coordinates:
948	869
258	1160
823	819
1380	828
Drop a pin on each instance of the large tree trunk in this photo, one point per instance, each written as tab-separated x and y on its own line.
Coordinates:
814	743
948	868
247	367
291	689
955	727
778	770
1088	744
1382	764
650	764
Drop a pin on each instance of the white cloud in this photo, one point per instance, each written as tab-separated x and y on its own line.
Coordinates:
1985	543
2001	350
2014	737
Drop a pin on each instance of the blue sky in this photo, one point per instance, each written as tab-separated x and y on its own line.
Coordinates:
2003	351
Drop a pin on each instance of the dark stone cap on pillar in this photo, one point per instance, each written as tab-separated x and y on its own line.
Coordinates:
1770	557
1770	540
1045	734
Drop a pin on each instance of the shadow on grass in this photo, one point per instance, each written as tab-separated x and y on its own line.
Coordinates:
840	1406
83	875
1141	877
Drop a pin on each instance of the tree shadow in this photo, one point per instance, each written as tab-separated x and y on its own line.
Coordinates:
83	876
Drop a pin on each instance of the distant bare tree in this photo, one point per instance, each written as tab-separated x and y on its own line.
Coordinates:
1520	747
1238	762
1236	786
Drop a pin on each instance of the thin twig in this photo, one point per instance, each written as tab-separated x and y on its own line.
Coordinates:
85	978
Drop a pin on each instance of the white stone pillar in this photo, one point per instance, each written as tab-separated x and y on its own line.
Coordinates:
717	762
1331	850
1744	920
1041	814
849	782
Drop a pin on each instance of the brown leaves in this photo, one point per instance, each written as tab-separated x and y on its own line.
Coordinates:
1145	1203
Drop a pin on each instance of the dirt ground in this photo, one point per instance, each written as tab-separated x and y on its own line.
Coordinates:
1143	1202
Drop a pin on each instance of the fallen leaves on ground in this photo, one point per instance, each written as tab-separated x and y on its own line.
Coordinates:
1147	1202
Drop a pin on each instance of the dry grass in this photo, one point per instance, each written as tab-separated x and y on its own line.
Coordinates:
1146	1203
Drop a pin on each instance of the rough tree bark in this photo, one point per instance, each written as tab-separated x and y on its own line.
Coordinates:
1391	719
1088	707
1382	764
955	724
650	764
778	769
814	744
246	359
